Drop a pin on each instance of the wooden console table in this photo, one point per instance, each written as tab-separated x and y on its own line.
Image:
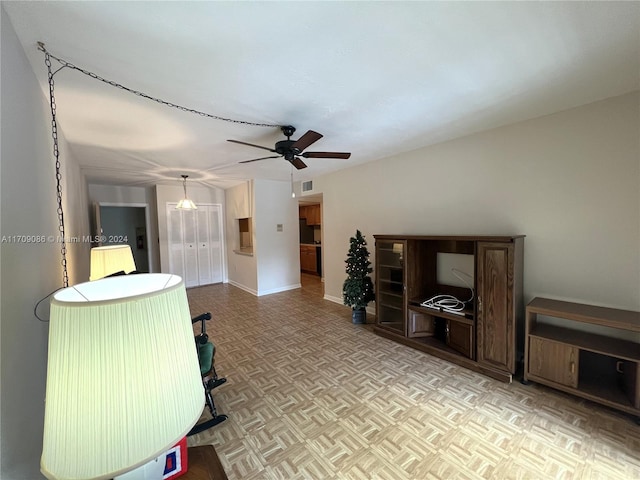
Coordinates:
597	367
203	464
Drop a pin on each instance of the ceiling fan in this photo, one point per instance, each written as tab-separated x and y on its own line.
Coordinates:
292	150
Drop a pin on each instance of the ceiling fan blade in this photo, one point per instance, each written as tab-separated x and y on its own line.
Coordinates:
261	158
307	139
252	145
344	155
298	163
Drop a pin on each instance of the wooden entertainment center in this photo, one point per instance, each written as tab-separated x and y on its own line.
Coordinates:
482	337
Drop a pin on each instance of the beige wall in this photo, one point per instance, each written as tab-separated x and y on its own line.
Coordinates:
570	182
277	253
29	272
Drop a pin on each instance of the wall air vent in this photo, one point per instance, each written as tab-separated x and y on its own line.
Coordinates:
307	186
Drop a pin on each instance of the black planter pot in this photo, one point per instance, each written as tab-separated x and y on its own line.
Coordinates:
359	315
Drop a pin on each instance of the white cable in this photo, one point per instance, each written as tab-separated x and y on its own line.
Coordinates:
449	303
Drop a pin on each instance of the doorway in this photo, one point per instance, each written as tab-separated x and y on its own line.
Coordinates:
126	224
311	244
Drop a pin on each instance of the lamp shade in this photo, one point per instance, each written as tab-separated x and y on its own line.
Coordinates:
186	204
123	378
111	259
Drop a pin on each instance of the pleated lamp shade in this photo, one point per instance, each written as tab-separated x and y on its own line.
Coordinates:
123	378
111	259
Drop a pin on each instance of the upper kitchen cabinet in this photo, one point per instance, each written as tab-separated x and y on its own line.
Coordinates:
311	213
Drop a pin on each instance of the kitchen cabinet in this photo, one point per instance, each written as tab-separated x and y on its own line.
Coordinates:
311	213
308	259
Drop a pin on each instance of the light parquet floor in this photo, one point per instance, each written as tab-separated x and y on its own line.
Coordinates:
311	396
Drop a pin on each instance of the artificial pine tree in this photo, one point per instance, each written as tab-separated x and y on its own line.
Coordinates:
357	290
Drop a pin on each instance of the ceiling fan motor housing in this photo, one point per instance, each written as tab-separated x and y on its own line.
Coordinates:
292	150
285	147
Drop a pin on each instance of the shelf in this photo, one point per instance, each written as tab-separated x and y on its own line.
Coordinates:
394	325
467	316
606	317
390	293
394	307
436	343
605	389
592	342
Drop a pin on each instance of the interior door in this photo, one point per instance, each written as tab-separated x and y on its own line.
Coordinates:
176	241
216	243
204	245
189	225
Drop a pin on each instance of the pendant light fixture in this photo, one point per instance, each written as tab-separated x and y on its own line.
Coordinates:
293	193
185	203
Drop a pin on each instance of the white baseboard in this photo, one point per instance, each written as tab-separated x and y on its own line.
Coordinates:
242	287
278	290
370	310
264	292
333	299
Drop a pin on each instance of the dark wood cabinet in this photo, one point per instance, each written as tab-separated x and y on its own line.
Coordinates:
496	303
603	367
555	361
420	324
483	333
459	336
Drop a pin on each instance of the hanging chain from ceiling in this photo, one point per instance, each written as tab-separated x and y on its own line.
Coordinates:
66	64
54	134
56	154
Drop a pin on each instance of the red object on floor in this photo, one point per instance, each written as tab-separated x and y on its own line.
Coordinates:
175	464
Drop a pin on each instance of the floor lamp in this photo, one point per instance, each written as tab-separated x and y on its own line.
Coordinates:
123	378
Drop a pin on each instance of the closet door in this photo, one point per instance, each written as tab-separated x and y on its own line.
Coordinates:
176	240
189	226
203	240
215	242
195	244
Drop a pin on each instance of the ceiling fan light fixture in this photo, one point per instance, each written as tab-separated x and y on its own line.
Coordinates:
185	203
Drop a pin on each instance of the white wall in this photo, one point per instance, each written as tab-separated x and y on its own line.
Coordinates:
570	182
277	253
118	195
243	269
172	194
274	265
29	272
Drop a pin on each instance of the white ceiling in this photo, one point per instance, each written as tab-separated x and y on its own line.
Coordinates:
375	78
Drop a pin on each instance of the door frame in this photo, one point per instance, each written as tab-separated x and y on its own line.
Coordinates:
147	223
